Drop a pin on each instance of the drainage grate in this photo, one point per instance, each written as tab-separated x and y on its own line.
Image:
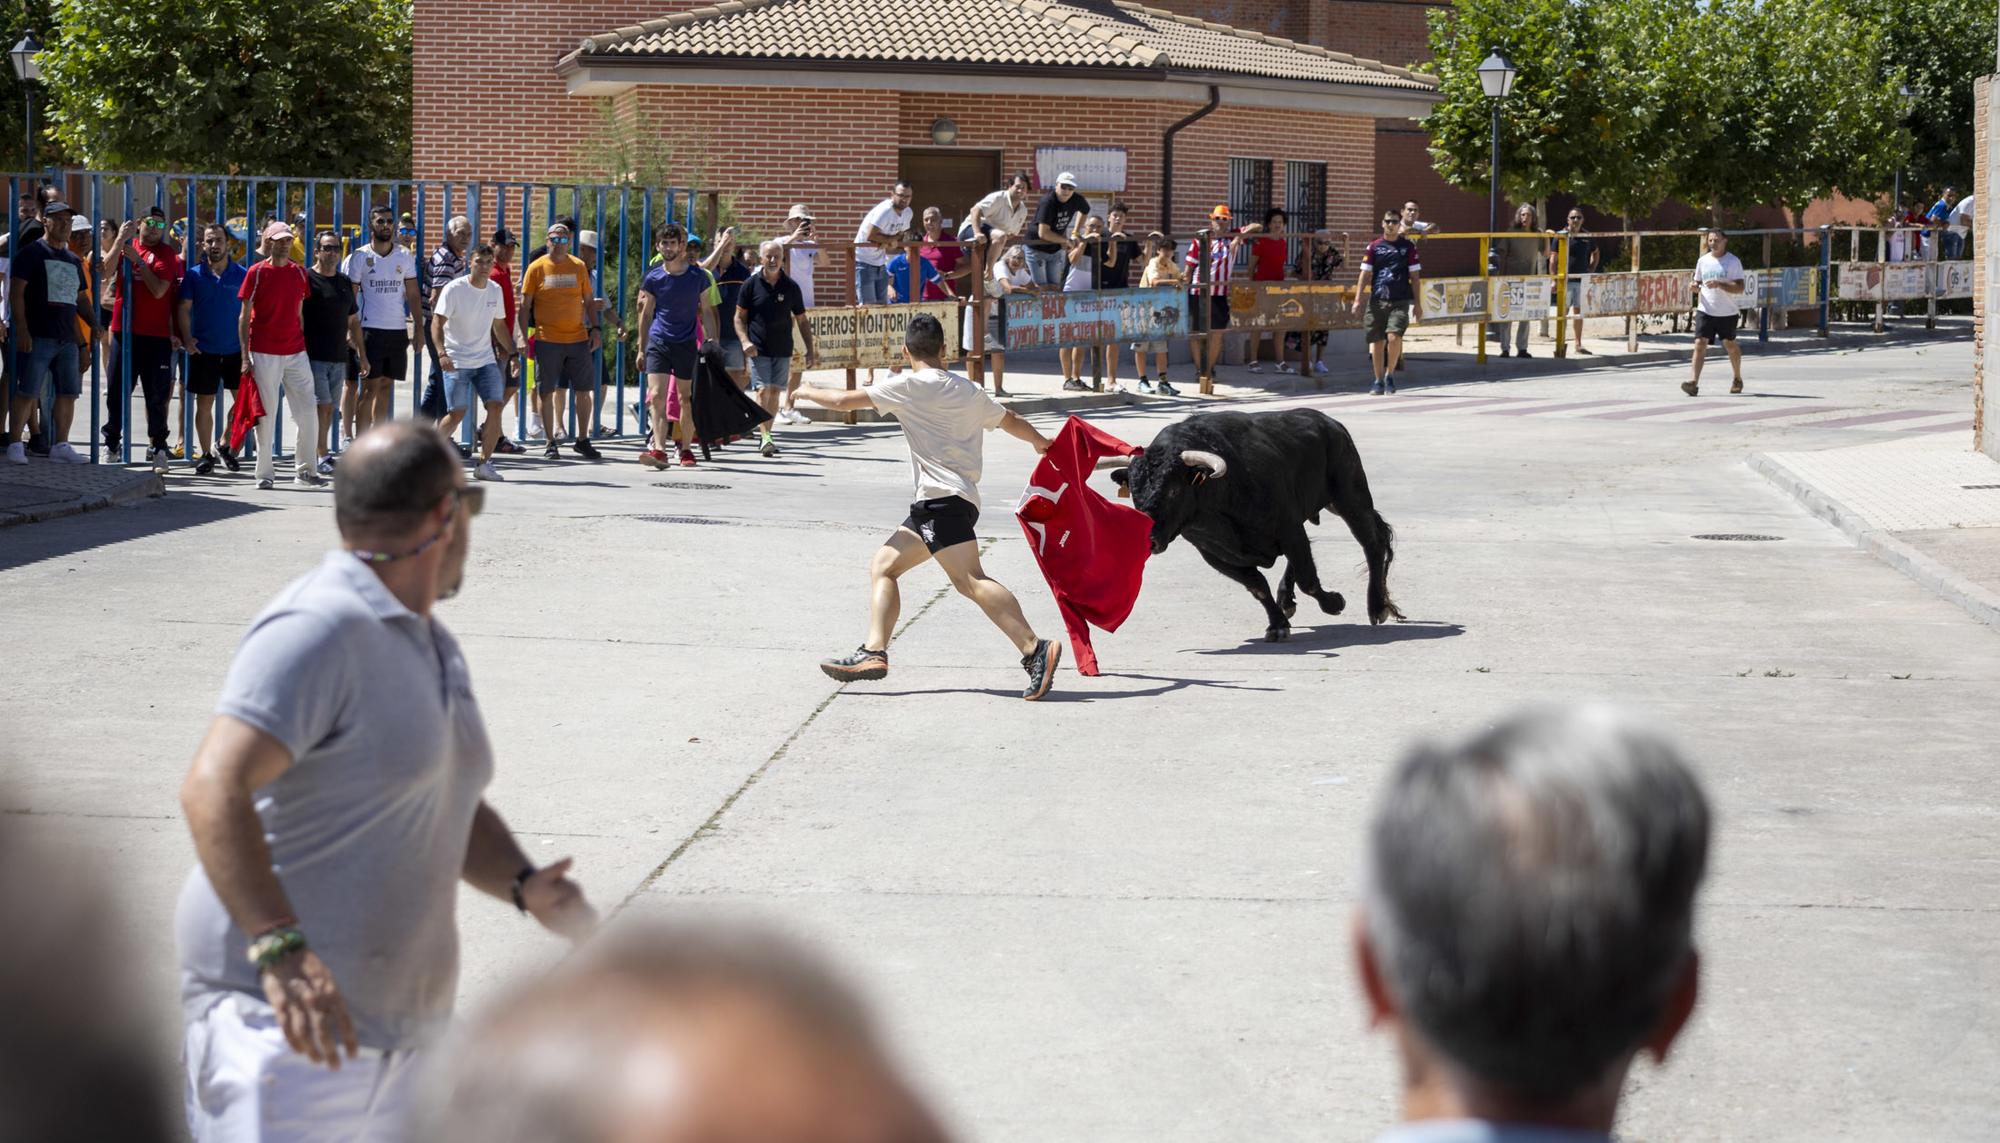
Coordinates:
1735	536
1980	487
688	520
696	484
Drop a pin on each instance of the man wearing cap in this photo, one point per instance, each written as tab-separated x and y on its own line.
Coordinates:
890	217
209	309
1056	221
274	293
44	280
385	276
1213	281
553	296
142	340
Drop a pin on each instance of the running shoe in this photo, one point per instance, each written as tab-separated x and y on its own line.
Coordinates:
62	453
552	452
325	466
1320	367
1145	384
861	666
770	448
1690	388
309	480
687	459
1257	367
1166	388
17	453
1076	385
485	471
157	457
265	483
507	446
654	458
585	449
1041	666
1376	388
205	465
1288	367
1389	382
229	460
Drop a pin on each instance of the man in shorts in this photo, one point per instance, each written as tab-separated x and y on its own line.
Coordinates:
944	417
43	285
332	321
677	311
1718	280
1391	287
209	308
385	276
553	293
767	309
469	327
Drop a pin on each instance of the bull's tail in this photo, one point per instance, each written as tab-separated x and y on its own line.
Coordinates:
1380	606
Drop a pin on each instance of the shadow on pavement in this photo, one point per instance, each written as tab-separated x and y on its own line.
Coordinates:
52	539
1168	685
1328	640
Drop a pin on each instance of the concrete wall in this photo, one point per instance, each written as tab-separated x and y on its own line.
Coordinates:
1985	369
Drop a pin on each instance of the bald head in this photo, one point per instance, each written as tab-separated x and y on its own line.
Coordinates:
676	1033
390	478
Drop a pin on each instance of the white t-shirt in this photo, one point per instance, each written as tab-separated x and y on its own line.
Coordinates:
998	211
887	219
945	418
1715	301
1962	215
469	314
378	284
803	260
1013	277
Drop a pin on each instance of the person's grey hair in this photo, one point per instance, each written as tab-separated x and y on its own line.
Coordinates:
459	222
1530	894
766	246
556	1061
388	490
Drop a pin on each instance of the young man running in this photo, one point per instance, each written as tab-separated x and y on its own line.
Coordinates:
1719	276
943	417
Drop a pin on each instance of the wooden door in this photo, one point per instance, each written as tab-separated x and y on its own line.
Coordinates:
949	178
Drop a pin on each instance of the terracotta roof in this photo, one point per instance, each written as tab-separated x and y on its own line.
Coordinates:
1113	35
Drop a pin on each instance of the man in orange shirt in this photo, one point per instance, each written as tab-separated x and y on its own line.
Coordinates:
553	293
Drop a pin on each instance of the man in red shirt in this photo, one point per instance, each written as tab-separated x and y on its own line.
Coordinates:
142	335
274	296
1269	255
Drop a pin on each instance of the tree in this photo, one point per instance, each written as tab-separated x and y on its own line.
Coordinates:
15	21
315	88
1938	50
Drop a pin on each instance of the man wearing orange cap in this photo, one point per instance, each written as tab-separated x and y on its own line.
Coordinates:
1221	254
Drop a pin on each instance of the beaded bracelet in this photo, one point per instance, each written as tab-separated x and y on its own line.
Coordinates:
266	951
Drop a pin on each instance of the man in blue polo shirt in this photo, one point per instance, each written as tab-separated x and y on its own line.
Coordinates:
208	312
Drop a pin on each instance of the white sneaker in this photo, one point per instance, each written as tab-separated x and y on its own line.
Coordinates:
1258	368
157	457
62	453
265	483
309	480
535	431
794	417
325	466
1287	367
17	453
1319	367
484	470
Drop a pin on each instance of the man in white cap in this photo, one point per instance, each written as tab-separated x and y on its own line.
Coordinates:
1056	221
274	292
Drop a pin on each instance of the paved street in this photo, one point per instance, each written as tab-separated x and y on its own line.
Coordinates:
1123	914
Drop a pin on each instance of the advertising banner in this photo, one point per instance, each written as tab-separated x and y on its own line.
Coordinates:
1095	168
1608	294
1522	299
1291	305
1903	281
1883	281
1859	282
1454	299
1792	287
1954	279
1665	291
1093	317
861	337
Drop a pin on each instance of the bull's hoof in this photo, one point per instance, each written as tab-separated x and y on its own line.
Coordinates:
1332	603
1288	605
1277	634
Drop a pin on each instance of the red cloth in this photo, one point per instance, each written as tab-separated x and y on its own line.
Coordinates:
275	294
1092	551
151	316
249	409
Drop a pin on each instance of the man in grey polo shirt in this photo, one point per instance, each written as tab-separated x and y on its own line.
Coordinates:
335	804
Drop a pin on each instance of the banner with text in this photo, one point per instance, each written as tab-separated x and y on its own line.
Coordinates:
1291	305
861	337
1095	317
1792	287
1883	281
1955	279
1454	299
1522	299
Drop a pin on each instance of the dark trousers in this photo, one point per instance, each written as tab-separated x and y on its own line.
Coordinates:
152	365
433	404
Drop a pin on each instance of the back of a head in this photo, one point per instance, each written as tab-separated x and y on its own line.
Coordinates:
674	1033
390	477
1531	895
924	338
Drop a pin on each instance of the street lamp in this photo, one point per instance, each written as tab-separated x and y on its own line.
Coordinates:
1496	76
1906	101
28	69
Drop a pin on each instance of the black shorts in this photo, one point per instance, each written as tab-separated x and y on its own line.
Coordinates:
676	357
1218	310
1715	328
943	523
388	353
210	373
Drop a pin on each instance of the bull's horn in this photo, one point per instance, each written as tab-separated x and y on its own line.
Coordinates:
1216	466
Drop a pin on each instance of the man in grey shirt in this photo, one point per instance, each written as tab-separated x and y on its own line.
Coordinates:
335	804
1528	925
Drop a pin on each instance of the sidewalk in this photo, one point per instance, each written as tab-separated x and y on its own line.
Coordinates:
44	490
1929	508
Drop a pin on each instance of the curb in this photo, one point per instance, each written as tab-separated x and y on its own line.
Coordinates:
144	487
1979	602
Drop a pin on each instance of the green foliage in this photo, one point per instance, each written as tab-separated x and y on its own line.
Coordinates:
1939	49
15	21
315	88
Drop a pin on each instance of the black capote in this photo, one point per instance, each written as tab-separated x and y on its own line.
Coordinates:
721	410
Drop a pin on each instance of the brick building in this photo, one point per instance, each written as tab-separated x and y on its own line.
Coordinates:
829	101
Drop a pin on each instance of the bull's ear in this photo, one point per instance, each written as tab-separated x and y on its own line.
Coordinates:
1122	477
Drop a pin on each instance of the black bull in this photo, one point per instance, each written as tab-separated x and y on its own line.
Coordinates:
1241	486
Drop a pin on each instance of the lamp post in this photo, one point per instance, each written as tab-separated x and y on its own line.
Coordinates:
1906	101
1496	77
28	70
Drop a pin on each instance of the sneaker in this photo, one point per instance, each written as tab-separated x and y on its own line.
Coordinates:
861	666
1389	382
309	480
586	450
1257	367
1076	385
535	429
507	446
770	448
325	466
265	483
1319	367
484	470
229	460
599	432
1736	386
1145	384
552	452
1041	666
205	465
178	452
1166	388
62	453
1690	388
1376	388
1523	352
687	458
157	457
1287	367
17	453
654	458
1505	352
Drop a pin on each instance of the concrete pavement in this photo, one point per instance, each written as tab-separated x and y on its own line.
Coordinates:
1122	914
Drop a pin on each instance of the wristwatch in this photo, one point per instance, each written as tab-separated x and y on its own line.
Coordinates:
520	881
